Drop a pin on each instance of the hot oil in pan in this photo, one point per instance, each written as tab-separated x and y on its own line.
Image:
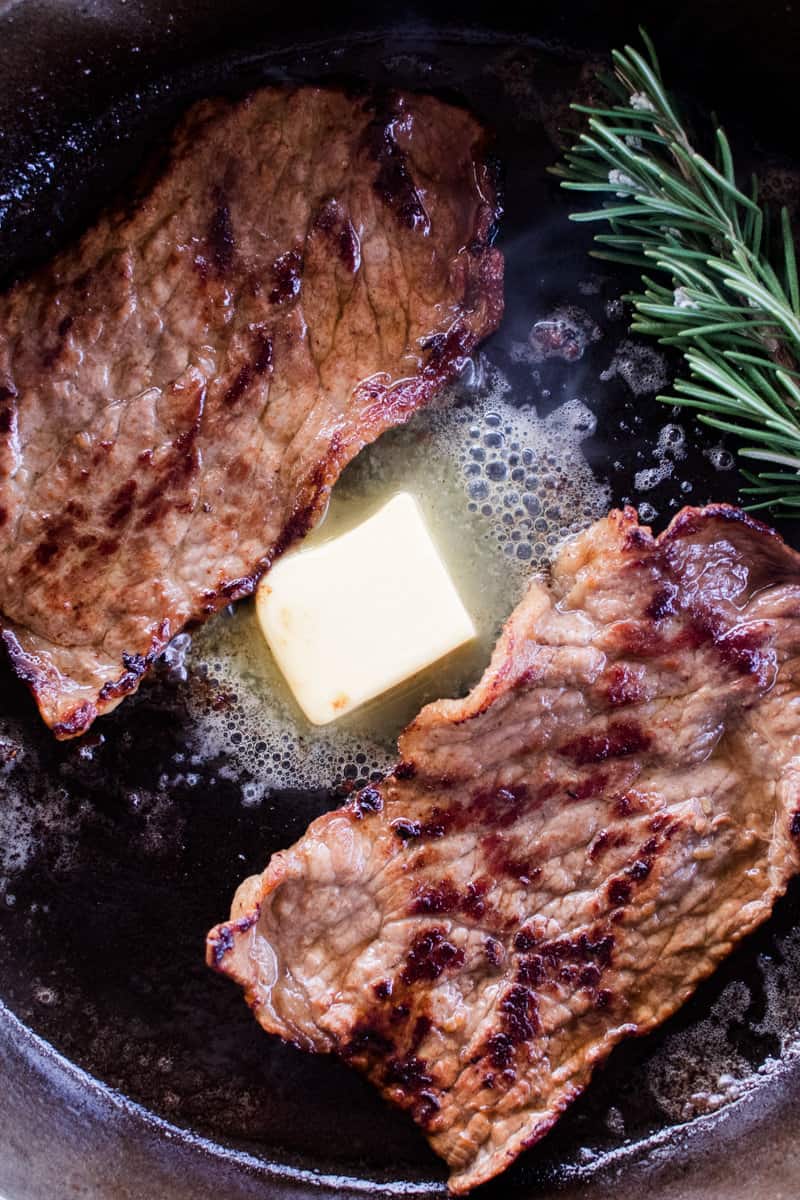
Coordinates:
499	487
119	851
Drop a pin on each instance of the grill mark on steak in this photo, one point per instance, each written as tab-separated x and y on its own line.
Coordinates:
651	842
221	241
605	840
620	739
287	276
663	602
519	1015
369	800
250	372
394	182
430	954
121	504
444	897
229	346
331	220
505	856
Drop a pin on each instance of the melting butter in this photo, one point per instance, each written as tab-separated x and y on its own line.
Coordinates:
341	636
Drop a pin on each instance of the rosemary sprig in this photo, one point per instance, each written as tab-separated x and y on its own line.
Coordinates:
721	290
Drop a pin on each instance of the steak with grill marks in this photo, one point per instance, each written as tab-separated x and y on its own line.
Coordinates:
560	857
179	391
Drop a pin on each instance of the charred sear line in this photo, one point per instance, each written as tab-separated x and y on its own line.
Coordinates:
501	807
597	946
349	248
503	859
120	506
628	804
369	800
135	666
520	1011
497	808
240	384
406	830
620	739
663	602
365	1041
519	1015
604	840
393	181
445	897
116	689
332	221
590	785
409	1073
180	464
743	648
226	937
222	944
58	534
500	1052
578	961
251	371
306	508
286	277
431	954
745	651
495	952
387	1046
411	1077
619	888
422	1027
619	891
221	240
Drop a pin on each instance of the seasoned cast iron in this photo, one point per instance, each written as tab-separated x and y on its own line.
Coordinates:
126	1068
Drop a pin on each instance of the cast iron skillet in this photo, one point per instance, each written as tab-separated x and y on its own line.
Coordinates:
128	1070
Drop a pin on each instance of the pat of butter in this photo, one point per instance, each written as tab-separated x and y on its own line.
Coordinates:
351	618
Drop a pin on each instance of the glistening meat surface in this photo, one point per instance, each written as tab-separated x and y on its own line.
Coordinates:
560	857
179	391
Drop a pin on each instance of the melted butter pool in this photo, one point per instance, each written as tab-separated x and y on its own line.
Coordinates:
499	487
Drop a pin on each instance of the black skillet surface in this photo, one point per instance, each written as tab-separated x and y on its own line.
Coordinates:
127	851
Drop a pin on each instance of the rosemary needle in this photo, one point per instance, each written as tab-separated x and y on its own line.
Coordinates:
716	286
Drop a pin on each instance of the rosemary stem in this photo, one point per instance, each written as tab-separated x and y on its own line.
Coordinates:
728	299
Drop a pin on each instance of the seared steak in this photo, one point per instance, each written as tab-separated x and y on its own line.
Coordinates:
560	857
179	391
